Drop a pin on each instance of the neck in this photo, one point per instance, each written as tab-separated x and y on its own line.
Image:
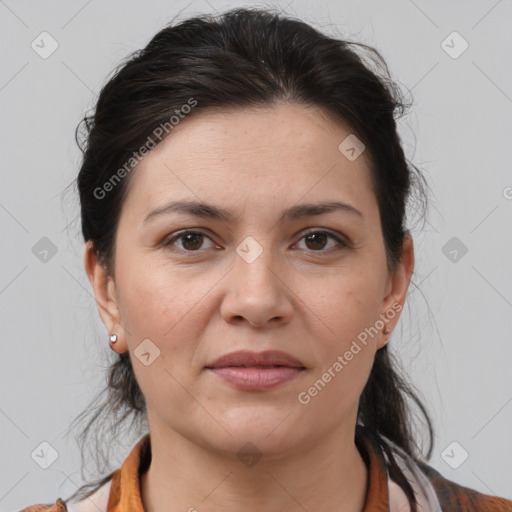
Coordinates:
330	476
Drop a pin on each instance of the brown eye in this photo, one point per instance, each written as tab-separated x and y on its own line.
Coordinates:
191	241
316	241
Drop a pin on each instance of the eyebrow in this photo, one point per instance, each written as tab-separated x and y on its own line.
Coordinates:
205	210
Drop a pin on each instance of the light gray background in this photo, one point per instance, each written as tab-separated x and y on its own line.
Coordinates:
455	337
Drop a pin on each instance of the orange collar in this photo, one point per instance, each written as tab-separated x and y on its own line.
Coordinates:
125	491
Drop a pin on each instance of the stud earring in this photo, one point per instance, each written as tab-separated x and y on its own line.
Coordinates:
113	338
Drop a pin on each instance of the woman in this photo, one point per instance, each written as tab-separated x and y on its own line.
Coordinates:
243	194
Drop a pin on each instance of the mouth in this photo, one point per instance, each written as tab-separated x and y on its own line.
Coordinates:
256	371
256	378
248	359
260	367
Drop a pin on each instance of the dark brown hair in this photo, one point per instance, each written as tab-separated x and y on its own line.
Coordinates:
249	57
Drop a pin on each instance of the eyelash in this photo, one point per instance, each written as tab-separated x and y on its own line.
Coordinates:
169	241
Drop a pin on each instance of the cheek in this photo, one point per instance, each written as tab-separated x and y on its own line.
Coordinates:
152	295
349	308
166	307
167	310
345	356
352	303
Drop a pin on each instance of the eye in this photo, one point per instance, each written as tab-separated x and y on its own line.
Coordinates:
317	240
193	240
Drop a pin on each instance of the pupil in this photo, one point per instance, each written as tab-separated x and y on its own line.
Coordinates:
191	236
313	235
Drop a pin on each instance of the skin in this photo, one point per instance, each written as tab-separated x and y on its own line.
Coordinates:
308	298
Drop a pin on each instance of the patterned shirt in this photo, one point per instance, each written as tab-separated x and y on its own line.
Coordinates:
434	493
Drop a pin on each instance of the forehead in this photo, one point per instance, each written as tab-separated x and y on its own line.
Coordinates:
269	154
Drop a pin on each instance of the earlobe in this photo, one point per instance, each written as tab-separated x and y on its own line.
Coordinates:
105	293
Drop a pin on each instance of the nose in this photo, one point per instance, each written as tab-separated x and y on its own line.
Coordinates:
257	292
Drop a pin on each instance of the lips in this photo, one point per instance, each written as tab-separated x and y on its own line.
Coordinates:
256	371
248	359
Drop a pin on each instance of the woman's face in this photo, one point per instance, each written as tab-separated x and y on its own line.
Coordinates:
256	281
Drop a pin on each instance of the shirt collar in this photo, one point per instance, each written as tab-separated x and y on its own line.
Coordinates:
125	491
125	488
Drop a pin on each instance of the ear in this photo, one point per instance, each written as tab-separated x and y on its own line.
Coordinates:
396	289
106	297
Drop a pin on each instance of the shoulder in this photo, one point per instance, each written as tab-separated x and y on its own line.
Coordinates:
96	502
455	497
58	506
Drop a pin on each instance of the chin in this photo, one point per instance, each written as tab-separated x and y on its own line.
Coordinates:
256	431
